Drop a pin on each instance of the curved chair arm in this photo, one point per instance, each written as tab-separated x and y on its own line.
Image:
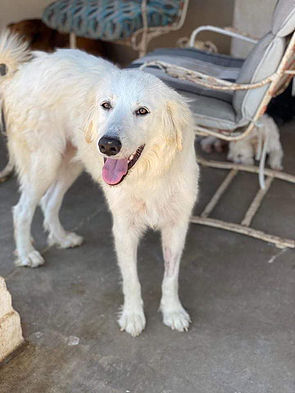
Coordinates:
206	80
219	30
140	39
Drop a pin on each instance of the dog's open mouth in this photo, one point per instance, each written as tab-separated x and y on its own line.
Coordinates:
114	170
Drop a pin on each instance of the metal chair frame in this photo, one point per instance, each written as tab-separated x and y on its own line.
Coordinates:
277	82
140	39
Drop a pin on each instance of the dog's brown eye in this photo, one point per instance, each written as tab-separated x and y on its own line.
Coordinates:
141	112
106	105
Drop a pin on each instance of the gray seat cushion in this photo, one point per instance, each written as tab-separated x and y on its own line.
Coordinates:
283	20
220	66
193	53
211	112
262	61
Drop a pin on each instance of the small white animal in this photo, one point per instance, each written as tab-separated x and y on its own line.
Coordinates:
69	110
250	148
244	151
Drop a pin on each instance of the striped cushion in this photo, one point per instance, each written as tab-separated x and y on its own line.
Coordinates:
217	65
108	20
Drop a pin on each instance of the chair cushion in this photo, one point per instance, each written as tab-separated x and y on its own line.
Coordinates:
283	20
262	61
108	20
193	53
220	66
211	112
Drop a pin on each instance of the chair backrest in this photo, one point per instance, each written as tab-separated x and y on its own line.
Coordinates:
264	60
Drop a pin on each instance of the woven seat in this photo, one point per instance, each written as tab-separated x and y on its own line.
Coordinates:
217	65
109	20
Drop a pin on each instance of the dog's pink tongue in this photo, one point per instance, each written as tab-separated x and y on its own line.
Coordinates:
114	170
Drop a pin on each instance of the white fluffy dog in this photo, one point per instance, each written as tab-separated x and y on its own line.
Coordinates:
67	111
244	151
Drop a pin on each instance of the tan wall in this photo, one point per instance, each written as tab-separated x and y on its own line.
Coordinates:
16	10
252	17
200	12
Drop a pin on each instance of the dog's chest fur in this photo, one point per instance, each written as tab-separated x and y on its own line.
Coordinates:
149	205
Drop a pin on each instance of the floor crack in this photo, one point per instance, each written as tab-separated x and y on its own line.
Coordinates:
274	257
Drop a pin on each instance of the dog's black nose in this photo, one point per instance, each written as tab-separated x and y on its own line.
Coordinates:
109	146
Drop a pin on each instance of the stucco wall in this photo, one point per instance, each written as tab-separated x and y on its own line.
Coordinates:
16	10
251	17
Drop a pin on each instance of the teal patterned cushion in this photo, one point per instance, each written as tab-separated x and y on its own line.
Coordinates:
108	20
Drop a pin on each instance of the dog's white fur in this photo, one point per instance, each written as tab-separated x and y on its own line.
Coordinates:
54	118
245	150
249	148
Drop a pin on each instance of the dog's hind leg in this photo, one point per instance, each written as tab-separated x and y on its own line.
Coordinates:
275	159
33	185
173	238
6	172
51	202
275	152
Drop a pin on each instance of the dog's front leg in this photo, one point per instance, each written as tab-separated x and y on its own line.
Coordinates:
132	318
173	238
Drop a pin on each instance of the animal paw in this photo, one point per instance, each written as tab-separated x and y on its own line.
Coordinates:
33	259
275	163
70	240
177	319
132	323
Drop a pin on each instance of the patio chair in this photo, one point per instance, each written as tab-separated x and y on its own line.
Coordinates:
228	96
133	23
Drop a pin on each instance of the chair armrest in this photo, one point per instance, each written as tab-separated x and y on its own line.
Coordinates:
241	33
207	81
219	30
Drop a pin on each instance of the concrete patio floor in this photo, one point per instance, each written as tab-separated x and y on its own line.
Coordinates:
240	293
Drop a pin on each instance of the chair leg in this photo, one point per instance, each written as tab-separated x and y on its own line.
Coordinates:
244	227
142	46
141	52
73	41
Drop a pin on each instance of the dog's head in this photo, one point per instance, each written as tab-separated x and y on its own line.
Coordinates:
241	152
139	121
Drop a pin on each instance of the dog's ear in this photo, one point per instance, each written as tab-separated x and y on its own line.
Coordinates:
176	118
89	133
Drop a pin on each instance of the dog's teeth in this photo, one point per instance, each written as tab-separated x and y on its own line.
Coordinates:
131	157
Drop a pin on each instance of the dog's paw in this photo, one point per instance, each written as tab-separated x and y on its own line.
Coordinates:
177	319
132	323
275	163
70	240
33	259
243	160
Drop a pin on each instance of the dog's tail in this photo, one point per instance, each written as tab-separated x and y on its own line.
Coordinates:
13	52
7	171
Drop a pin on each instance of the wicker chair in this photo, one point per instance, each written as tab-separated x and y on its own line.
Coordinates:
133	23
229	95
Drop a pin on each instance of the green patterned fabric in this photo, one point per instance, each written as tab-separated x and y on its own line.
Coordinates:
108	20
